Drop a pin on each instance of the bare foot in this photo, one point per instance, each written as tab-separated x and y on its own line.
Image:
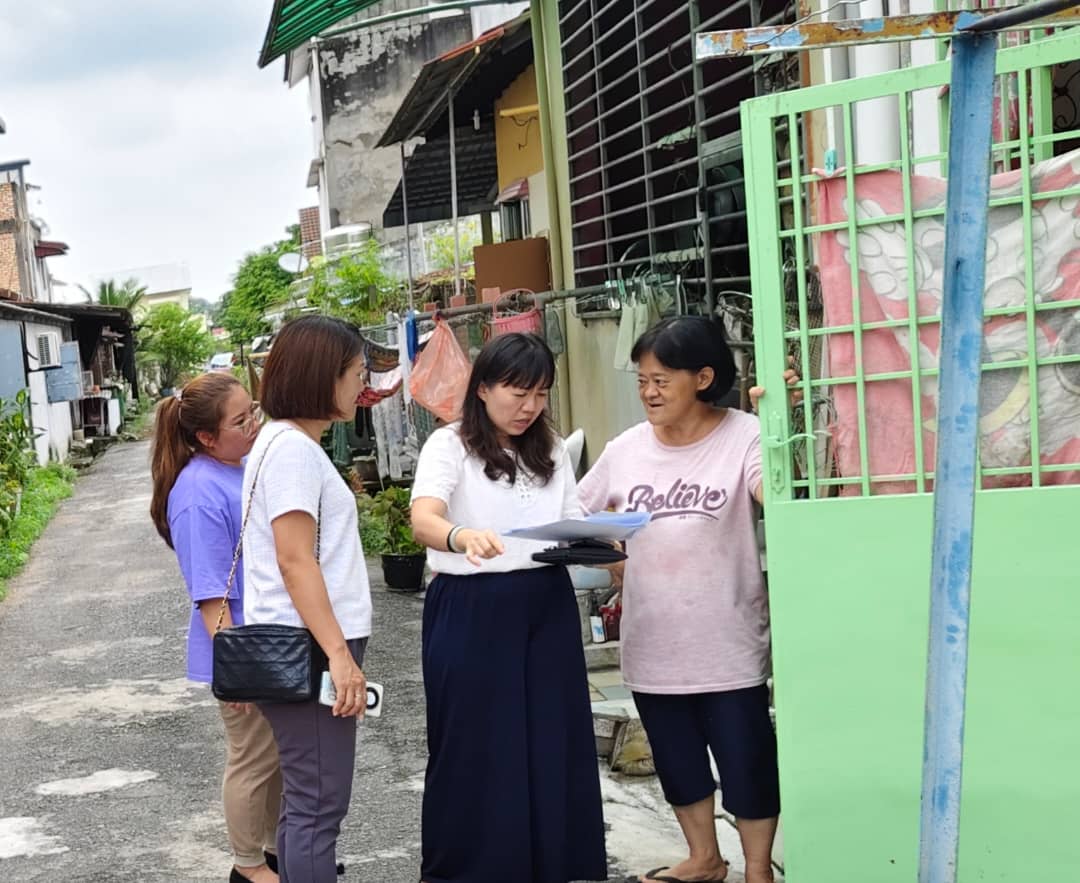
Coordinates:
693	871
259	874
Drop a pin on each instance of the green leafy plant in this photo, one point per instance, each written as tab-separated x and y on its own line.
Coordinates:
175	341
17	458
385	525
356	286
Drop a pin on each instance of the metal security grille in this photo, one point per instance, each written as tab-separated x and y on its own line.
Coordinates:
655	157
871	236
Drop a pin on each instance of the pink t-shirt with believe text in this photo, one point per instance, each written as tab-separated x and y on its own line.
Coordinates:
695	610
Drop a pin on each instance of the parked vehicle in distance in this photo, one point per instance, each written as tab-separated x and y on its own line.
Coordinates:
221	362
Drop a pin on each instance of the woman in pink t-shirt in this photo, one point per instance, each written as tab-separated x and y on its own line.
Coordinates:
695	627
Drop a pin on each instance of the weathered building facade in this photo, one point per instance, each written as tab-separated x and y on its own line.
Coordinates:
357	81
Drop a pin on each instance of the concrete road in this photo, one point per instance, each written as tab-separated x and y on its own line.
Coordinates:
111	760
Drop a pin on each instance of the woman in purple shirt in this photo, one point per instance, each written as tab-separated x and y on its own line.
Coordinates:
201	437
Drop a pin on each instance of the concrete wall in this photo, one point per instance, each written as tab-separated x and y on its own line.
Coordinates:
603	401
517	139
52	422
364	76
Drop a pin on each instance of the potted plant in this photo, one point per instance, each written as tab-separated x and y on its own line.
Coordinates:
385	529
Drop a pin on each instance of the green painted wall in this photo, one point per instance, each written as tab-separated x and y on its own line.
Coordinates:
850	605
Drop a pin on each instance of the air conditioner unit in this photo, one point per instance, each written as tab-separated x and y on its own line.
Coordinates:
48	350
87	381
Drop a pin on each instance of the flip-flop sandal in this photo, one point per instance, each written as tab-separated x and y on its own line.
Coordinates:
654	874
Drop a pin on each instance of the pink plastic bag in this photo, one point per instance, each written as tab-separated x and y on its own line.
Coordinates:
441	375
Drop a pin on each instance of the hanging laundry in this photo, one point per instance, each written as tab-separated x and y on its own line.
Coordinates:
379	358
883	295
404	359
640	312
624	343
340	452
412	337
553	330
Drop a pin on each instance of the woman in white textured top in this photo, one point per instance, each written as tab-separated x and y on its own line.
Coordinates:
512	789
303	566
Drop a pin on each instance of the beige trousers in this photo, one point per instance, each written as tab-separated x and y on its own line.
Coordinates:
251	788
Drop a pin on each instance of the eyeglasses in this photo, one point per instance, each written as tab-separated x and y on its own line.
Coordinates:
249	422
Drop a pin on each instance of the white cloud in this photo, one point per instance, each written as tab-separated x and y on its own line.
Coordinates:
153	134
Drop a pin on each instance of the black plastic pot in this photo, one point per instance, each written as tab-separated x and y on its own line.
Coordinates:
404	571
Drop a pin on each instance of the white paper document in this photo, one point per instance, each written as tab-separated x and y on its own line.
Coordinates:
601	526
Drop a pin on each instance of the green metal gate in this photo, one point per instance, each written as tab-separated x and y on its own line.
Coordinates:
844	272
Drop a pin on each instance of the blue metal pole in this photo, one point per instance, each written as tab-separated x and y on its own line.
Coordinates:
971	107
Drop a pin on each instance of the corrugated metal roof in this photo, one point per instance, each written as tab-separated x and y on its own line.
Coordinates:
294	22
428	178
29	313
427	100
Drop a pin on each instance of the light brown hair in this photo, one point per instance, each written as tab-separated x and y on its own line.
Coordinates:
308	357
199	407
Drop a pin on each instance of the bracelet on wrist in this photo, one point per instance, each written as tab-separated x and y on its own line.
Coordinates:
451	537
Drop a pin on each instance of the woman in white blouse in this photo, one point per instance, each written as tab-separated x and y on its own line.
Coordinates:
512	789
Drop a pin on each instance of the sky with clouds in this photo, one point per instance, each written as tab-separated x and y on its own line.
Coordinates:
152	133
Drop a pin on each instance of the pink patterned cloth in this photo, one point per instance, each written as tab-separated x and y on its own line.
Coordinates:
1005	435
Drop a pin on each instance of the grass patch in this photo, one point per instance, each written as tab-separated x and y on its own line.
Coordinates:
44	491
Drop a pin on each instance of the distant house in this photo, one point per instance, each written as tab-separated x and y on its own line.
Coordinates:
98	374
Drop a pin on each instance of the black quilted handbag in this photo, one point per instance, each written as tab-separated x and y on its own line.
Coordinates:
264	662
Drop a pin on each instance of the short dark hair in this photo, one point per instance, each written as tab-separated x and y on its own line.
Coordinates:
307	358
522	361
690	343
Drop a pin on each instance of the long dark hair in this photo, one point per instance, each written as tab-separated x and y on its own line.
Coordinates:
198	407
522	361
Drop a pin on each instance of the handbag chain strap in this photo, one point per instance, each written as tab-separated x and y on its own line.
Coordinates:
243	527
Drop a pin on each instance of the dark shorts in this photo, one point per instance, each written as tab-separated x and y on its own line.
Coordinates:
735	726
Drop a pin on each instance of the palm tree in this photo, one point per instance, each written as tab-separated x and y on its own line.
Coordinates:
127	295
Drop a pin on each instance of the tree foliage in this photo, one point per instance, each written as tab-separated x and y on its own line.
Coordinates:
440	243
127	294
201	306
174	341
259	284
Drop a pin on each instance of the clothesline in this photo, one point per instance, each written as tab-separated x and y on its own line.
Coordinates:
538	299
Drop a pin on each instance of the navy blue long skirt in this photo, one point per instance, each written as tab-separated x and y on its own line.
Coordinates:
512	792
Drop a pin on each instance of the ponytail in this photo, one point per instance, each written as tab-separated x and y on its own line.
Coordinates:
177	420
170	454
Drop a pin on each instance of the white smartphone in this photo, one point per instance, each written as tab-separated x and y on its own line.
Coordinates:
328	696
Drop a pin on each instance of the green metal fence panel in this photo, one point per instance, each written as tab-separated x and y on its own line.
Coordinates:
794	235
849	530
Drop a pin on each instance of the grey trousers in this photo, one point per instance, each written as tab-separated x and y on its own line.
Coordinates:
317	752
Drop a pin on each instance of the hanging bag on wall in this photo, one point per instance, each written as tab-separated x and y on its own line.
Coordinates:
441	375
265	662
